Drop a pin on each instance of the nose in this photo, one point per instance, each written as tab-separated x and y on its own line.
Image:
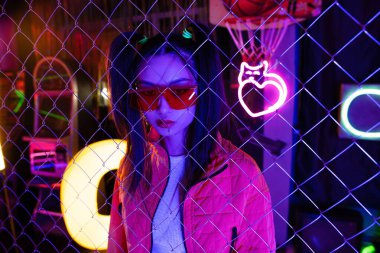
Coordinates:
163	105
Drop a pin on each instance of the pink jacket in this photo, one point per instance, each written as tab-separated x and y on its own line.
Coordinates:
229	209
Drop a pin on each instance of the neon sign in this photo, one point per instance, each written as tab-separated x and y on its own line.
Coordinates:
21	100
344	113
79	189
270	79
2	163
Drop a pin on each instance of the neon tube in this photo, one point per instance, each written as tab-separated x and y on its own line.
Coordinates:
53	115
270	79
20	102
2	163
344	114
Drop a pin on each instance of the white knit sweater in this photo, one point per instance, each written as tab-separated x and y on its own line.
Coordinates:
167	232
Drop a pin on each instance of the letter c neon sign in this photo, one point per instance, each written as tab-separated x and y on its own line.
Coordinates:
79	189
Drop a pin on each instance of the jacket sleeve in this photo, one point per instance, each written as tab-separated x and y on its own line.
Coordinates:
117	236
256	232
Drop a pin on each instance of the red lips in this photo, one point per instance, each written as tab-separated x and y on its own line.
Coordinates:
165	123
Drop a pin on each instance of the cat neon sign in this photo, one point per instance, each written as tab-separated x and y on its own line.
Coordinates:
269	79
344	114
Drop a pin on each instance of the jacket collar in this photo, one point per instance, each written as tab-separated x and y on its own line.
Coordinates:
219	155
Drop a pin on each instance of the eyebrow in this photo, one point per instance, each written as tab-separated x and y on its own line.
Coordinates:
145	83
180	80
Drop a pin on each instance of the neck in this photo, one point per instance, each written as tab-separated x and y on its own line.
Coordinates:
175	144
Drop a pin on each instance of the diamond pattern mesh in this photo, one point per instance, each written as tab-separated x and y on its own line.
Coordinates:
55	101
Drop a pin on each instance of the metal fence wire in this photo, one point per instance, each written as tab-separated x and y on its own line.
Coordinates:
319	152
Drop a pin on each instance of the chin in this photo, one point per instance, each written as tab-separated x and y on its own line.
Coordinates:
164	132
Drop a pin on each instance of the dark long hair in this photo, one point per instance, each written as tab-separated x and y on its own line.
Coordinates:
199	53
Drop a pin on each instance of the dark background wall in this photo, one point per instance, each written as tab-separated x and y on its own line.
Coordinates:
341	46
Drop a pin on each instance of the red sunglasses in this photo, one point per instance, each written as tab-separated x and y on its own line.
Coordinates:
178	97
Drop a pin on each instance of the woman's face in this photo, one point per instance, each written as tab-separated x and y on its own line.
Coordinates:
169	92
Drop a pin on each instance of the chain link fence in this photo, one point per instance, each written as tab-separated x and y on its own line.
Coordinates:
319	153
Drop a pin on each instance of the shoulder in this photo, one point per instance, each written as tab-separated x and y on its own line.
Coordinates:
243	169
238	161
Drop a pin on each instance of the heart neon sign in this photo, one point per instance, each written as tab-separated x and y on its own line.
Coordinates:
269	79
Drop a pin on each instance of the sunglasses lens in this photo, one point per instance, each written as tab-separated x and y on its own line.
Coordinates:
147	99
181	97
177	97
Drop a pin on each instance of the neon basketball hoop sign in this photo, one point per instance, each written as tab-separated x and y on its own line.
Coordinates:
258	55
265	27
249	74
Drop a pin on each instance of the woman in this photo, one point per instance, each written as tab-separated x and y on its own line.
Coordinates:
181	187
